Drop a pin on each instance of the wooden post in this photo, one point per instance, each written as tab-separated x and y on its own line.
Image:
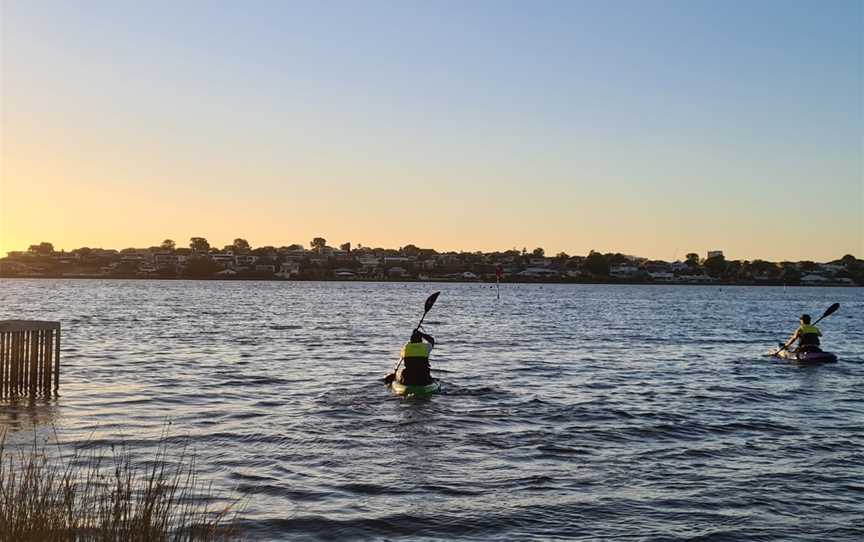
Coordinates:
29	357
2	364
16	361
57	359
49	351
34	360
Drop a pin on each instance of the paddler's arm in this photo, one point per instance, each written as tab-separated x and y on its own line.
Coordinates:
791	340
429	339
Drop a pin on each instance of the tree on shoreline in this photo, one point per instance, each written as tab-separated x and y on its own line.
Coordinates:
597	264
241	246
42	248
199	245
200	267
715	266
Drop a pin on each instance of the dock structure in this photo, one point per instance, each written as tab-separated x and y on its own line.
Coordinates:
29	358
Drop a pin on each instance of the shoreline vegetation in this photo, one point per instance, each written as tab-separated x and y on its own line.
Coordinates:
409	280
104	493
321	262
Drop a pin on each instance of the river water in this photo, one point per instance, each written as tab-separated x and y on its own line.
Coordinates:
579	412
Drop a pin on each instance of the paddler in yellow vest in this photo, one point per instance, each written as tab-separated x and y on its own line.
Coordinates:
415	360
806	335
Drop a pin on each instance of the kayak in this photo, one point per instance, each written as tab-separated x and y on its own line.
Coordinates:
415	390
807	357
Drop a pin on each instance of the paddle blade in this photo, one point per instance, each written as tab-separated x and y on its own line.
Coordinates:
828	312
831	310
431	301
389	379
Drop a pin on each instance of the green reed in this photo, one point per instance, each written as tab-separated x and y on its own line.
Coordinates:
95	495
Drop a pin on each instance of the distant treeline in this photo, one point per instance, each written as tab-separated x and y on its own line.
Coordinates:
320	261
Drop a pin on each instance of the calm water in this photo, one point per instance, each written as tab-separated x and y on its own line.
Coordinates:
568	412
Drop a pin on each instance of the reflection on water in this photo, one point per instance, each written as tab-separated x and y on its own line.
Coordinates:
580	412
26	413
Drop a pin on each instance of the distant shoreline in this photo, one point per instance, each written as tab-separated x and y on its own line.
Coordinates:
436	280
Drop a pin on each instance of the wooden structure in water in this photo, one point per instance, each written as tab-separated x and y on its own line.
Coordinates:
29	358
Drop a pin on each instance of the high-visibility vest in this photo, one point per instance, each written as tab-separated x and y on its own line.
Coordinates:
415	351
808	334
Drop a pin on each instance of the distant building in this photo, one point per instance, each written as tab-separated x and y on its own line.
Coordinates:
126	258
657	267
813	279
394	272
368	262
13	267
540	262
288	269
680	267
163	260
245	260
296	253
662	276
226	261
623	271
715	254
831	268
538	272
397	260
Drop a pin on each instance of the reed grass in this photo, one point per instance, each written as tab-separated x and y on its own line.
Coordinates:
94	494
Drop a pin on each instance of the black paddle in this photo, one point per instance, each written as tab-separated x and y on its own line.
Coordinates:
828	312
429	302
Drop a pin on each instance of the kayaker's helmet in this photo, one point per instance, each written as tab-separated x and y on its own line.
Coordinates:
416	336
805	319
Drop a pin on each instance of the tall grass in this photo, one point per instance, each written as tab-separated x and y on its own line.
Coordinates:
97	495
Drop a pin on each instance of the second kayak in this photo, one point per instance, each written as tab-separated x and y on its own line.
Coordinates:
807	357
415	390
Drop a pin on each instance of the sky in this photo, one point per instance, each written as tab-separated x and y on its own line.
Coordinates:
652	128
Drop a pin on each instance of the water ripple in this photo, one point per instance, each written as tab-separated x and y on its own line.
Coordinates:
567	412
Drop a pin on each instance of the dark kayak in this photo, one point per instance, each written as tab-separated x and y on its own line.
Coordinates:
807	357
415	390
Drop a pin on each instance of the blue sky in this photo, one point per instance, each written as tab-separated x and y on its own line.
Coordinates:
653	128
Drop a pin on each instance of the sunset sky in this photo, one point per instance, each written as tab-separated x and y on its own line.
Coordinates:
653	128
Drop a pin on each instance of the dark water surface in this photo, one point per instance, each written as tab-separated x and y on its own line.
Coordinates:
568	412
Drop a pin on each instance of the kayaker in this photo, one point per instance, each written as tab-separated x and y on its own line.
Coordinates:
806	335
415	360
